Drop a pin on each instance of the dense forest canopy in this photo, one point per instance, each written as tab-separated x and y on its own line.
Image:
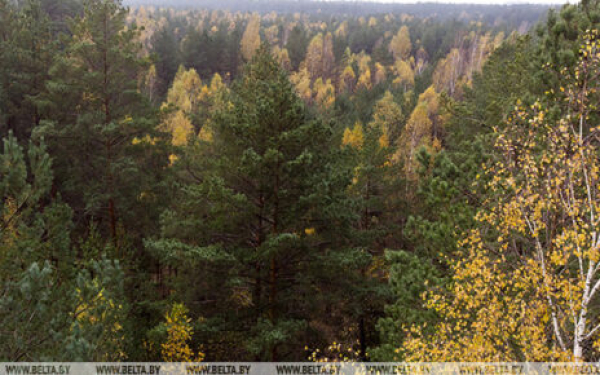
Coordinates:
489	13
295	180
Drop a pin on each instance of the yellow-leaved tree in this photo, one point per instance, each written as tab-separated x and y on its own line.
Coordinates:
324	93
364	67
380	74
448	72
400	46
354	137
320	60
404	75
422	130
191	105
184	97
251	38
347	80
525	287
364	80
179	334
302	83
283	57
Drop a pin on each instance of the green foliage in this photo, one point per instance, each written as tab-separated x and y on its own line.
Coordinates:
259	207
97	113
559	40
53	306
265	227
27	47
410	276
167	58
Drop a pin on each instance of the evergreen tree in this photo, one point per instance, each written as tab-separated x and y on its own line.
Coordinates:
371	190
27	47
54	304
167	58
97	114
262	206
296	45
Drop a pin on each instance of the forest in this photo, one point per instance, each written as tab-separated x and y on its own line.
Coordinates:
187	181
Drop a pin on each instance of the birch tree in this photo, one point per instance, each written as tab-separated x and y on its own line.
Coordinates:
529	278
251	38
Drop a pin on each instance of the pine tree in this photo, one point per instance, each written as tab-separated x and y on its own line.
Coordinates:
373	182
52	305
262	197
97	112
296	45
27	47
164	47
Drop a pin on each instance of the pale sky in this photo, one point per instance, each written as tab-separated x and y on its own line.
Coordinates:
474	1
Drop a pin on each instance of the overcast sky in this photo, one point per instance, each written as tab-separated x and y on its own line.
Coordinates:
477	1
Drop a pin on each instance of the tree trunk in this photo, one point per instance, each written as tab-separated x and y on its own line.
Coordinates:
272	302
362	338
580	334
112	218
577	351
273	269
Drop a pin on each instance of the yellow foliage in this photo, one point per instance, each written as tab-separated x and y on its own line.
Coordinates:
187	97
342	30
338	352
528	274
179	333
206	133
271	34
400	46
282	56
384	141
355	137
301	81
380	74
10	213
364	81
347	80
180	126
251	38
324	93
405	77
320	60
416	134
314	57
101	311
